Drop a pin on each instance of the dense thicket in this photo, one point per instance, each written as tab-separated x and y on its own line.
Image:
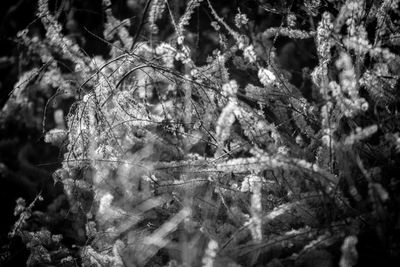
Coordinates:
204	133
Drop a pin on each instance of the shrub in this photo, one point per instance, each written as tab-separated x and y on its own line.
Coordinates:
241	150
